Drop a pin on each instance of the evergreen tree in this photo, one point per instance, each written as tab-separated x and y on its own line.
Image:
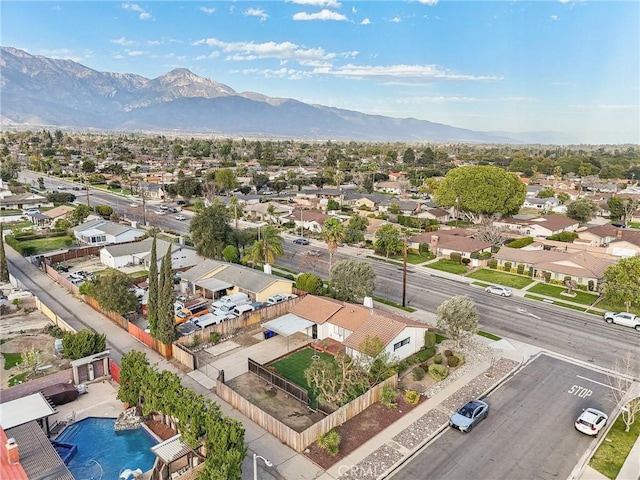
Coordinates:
165	301
152	301
4	269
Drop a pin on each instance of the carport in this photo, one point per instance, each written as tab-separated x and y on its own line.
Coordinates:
213	286
288	324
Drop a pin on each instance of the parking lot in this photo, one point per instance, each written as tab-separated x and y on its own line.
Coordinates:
529	433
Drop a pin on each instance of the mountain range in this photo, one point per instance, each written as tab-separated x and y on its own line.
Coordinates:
40	91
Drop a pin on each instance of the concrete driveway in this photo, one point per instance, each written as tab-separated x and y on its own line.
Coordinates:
529	433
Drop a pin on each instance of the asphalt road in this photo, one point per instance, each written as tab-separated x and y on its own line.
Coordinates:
529	433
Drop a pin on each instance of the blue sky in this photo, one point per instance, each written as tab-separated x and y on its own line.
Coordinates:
565	66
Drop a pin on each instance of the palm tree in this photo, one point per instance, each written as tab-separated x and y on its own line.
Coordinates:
333	234
271	211
267	248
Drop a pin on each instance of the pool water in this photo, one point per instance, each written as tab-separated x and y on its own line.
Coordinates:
103	453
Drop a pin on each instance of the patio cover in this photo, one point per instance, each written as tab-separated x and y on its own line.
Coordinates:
287	324
23	410
213	284
92	232
171	449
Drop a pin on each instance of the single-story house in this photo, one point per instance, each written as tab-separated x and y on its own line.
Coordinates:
139	253
351	324
542	204
439	214
307	219
443	243
214	279
543	226
154	191
51	216
369	201
260	211
105	232
582	267
395	188
24	201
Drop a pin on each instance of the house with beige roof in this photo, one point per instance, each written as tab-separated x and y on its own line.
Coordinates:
583	267
616	241
543	226
311	220
443	243
351	324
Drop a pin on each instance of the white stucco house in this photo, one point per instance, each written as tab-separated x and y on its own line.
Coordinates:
139	253
105	232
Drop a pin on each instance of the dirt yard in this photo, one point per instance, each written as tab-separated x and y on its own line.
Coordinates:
19	333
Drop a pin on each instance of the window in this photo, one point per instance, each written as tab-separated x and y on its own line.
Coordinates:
401	343
338	330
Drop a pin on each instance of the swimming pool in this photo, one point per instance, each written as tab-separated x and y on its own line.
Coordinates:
103	453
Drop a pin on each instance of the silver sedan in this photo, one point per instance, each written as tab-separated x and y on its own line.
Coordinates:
469	415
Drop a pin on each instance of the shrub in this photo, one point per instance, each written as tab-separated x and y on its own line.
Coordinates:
412	397
466	261
448	353
567	237
195	341
330	441
429	339
388	397
493	263
520	269
82	344
214	337
452	361
437	359
507	266
426	354
520	242
590	285
438	372
531	271
547	277
455	257
418	373
54	330
460	358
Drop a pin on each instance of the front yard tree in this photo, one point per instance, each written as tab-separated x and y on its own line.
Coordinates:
112	291
152	301
310	283
481	191
621	282
352	280
134	373
210	230
388	240
4	269
582	210
267	248
355	229
78	214
333	234
31	359
166	319
337	380
225	180
624	390
457	317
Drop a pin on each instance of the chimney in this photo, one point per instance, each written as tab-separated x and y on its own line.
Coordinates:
12	452
368	302
619	233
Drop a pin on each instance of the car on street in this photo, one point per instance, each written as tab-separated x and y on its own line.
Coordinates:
160	212
623	318
314	253
469	415
181	217
301	241
133	205
591	421
31	211
499	290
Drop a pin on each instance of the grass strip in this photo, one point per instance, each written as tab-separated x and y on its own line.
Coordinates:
614	450
501	278
394	304
488	335
554	302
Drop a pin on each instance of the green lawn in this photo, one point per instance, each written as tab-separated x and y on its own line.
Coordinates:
559	304
8	213
293	366
583	298
612	453
43	245
500	278
394	304
488	335
414	258
11	360
448	266
17	379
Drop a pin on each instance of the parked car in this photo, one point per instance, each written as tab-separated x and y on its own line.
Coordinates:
164	207
273	299
301	241
314	253
133	205
469	415
623	318
20	294
186	328
180	217
31	211
591	421
499	290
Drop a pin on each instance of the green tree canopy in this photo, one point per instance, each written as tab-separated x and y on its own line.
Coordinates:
225	180
210	230
78	215
82	344
165	331
4	269
352	280
388	241
621	282
267	248
582	210
231	254
481	191
458	317
152	280
112	291
355	229
310	283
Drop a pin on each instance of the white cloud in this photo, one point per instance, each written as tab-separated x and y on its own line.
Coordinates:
256	12
135	53
317	3
354	10
324	14
134	7
395	20
554	17
365	21
606	107
123	41
406	73
431	3
57	8
439	99
207	11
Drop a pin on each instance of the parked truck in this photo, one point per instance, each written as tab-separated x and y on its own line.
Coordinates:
239	298
191	310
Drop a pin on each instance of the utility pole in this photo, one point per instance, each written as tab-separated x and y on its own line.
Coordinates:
404	274
144	210
87	190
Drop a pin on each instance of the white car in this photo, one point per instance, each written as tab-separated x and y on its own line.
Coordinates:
623	318
591	421
31	211
181	217
499	290
133	205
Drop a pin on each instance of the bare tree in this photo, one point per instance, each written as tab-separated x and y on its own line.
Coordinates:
488	232
625	390
458	318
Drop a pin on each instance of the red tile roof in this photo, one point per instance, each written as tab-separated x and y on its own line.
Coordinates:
8	471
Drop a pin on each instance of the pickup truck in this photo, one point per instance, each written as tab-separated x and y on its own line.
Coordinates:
623	318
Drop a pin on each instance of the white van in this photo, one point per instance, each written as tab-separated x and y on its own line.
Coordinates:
22	294
240	309
209	319
239	298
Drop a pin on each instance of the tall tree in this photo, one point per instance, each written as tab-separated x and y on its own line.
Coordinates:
112	291
621	283
165	332
582	210
333	234
225	180
458	317
267	248
152	301
481	191
4	268
388	240
355	229
352	280
210	230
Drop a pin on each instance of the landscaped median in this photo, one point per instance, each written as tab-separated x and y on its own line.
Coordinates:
615	448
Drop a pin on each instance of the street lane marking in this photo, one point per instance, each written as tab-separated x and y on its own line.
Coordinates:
579	391
599	383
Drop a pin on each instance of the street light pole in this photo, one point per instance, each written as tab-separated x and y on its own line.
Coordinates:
255	464
404	274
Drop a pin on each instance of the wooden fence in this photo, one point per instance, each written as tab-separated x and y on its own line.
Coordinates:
60	279
114	368
184	356
301	440
279	381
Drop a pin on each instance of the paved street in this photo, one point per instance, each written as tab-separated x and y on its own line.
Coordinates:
529	433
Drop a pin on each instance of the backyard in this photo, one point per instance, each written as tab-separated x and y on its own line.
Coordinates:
37	246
